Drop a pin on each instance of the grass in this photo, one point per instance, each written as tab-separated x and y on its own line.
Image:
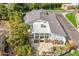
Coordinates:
75	53
56	9
72	19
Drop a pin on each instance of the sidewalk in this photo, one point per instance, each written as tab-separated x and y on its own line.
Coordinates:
70	22
77	18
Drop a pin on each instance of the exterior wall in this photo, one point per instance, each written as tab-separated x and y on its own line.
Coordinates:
46	44
58	37
39	37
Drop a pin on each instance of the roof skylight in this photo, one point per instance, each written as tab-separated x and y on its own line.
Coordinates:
43	26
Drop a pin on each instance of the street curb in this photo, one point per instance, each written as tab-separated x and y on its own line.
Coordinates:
69	21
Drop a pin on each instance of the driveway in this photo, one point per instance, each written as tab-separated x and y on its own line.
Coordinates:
69	29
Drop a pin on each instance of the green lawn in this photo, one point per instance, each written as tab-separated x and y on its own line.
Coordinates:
71	18
56	9
76	53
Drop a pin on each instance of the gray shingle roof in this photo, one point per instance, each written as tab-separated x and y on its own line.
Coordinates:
55	26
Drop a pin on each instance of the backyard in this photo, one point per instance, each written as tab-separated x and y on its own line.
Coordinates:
71	18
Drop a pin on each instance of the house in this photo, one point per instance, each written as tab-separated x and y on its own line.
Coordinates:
46	31
2	42
69	6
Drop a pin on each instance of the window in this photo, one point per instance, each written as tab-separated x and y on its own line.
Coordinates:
61	42
36	41
36	36
41	37
41	40
43	26
46	37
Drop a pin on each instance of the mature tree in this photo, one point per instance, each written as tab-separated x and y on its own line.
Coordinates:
3	12
50	5
18	37
23	50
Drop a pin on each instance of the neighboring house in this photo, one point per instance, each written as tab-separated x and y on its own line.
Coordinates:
69	6
46	31
2	42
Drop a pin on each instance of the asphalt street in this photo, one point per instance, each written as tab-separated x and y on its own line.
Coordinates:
69	29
